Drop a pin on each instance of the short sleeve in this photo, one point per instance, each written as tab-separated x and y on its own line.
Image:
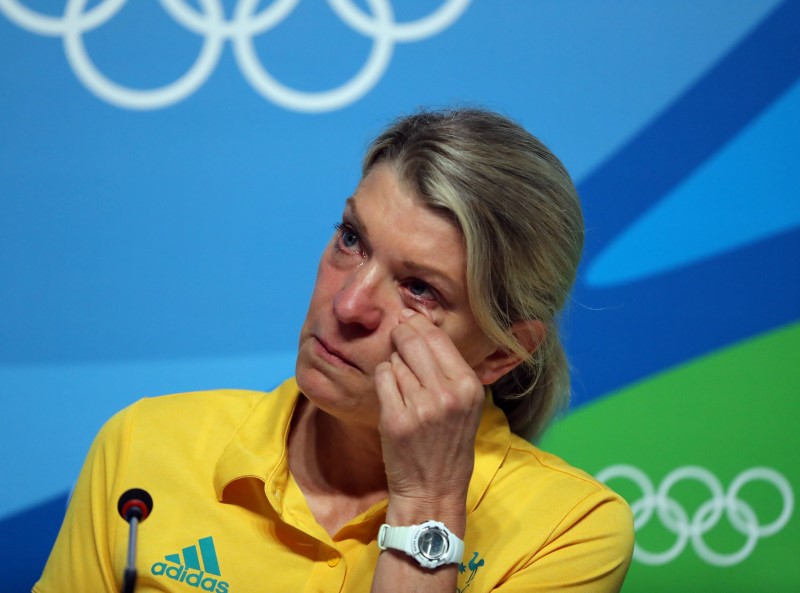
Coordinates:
589	552
82	558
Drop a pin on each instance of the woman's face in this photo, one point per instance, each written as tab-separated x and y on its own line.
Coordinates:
389	253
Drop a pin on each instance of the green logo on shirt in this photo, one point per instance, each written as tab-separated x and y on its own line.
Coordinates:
185	567
474	564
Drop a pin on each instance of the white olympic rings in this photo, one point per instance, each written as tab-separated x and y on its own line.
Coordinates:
246	23
675	518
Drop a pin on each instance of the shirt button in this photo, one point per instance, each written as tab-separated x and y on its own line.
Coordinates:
333	559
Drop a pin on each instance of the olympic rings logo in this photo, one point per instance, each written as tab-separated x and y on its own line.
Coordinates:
246	23
692	529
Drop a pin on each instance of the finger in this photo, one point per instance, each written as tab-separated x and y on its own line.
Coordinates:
407	382
442	369
389	396
417	355
439	350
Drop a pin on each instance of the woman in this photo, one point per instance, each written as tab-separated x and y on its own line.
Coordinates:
397	459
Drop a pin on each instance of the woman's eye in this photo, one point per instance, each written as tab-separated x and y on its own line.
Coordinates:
348	238
420	289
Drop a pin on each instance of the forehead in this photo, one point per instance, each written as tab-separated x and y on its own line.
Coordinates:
394	222
382	193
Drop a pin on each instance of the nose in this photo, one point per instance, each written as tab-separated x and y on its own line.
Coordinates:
358	301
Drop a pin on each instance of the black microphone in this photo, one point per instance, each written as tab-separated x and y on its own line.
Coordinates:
134	506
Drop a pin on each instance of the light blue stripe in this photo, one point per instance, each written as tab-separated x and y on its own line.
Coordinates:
190	557
727	203
209	555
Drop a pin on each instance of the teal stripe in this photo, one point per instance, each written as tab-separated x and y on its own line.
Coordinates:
190	557
209	555
174	558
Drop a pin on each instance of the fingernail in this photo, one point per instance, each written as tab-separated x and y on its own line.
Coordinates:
407	313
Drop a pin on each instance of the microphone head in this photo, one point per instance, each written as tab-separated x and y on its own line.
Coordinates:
135	503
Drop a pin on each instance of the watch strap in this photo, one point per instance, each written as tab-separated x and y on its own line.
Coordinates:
404	538
396	538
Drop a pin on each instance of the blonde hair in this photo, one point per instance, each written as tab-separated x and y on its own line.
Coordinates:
521	219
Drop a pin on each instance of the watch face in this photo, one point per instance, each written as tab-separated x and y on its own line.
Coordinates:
433	543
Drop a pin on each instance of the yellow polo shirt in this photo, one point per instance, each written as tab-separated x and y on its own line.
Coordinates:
229	518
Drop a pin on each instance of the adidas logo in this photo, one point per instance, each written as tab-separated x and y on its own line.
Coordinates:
188	570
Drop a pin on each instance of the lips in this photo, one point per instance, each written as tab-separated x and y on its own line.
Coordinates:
332	355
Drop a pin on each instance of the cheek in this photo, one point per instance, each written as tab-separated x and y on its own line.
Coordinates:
322	294
473	345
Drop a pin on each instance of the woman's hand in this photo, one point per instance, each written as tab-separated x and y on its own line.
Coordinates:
431	403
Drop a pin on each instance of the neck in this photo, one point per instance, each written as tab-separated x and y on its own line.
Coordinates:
329	455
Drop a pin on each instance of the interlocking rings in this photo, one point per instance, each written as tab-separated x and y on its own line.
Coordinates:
675	518
246	23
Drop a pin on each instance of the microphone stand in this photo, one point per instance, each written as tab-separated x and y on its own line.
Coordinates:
134	506
129	578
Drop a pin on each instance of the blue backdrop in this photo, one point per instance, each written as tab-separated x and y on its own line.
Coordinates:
170	172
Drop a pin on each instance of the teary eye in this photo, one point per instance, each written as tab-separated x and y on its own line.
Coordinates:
421	290
417	287
348	239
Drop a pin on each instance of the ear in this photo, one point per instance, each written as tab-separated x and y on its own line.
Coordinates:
529	333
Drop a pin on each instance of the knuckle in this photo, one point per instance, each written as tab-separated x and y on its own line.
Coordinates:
470	391
436	335
469	383
398	429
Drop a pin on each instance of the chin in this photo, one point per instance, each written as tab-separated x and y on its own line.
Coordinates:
343	399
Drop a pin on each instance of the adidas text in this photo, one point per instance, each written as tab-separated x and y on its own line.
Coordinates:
190	577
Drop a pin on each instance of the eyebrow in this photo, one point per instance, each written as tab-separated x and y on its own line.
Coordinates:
450	286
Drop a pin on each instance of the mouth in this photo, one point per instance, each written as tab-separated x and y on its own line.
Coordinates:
332	355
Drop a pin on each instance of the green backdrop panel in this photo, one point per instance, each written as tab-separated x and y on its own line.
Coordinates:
707	456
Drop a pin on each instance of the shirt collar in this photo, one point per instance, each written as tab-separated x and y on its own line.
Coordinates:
258	448
491	446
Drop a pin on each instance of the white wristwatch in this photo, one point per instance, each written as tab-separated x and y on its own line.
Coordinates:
430	543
